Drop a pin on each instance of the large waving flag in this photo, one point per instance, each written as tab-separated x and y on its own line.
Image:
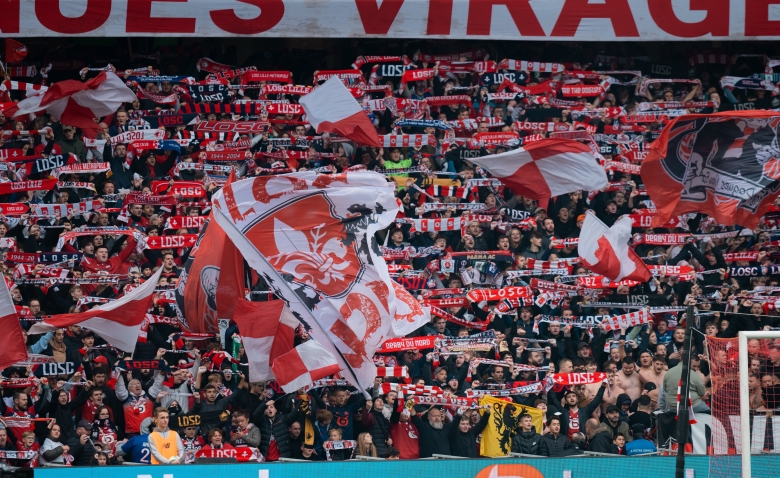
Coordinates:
605	250
311	237
726	165
303	365
212	280
11	340
267	332
332	108
77	104
119	322
546	168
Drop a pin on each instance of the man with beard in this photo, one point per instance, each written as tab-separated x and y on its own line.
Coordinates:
434	433
573	417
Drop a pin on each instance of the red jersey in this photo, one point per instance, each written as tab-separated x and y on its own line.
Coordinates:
136	410
114	265
405	438
273	450
574	422
106	434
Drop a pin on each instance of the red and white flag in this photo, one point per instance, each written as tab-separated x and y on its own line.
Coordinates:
410	315
76	103
546	168
303	365
311	238
212	281
11	340
605	250
267	331
332	108
118	322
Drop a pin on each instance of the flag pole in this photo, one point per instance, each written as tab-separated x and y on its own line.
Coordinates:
682	406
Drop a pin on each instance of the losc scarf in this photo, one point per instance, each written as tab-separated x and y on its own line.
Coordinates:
540	67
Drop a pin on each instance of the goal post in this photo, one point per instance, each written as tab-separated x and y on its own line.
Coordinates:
744	394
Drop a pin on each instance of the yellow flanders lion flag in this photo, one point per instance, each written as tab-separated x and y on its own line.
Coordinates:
504	424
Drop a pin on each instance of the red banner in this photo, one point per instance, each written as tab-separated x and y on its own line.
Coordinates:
21	257
277	76
284	109
575	91
21	186
171	242
241	453
581	378
187	189
185	222
407	343
13	209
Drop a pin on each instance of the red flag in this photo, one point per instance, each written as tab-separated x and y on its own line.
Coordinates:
119	322
267	332
331	107
210	294
303	365
11	340
546	168
726	165
14	51
605	250
78	104
309	237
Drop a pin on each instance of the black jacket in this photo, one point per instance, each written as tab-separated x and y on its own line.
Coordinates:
276	426
82	454
601	442
526	442
244	400
432	441
554	446
465	444
379	427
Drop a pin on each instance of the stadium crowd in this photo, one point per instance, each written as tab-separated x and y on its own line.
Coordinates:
180	396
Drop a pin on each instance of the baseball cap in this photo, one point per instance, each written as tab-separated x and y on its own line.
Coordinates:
582	344
650	386
84	424
68	128
612	408
100	359
439	370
